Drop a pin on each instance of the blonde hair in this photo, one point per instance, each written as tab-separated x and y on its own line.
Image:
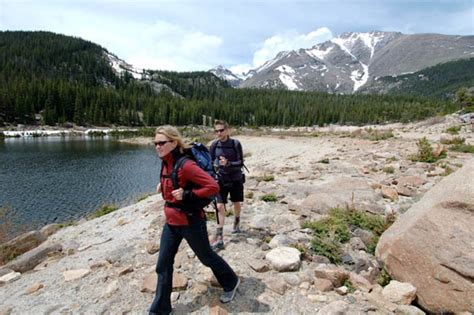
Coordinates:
172	133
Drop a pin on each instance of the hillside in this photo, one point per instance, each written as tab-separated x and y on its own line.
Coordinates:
440	81
52	79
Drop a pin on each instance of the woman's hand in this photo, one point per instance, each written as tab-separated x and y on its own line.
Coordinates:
178	194
158	188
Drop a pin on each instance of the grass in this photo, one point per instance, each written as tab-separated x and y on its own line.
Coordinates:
455	140
143	197
103	210
331	232
384	278
389	169
464	148
324	161
350	287
249	195
269	198
265	178
454	130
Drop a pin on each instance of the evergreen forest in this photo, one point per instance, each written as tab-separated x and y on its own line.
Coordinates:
52	79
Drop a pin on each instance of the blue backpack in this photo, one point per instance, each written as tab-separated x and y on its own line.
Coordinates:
201	155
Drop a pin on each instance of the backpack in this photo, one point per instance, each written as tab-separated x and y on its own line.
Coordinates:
234	146
199	154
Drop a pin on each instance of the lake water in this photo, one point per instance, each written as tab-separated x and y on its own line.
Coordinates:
57	179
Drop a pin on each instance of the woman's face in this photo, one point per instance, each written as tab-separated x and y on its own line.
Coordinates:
163	145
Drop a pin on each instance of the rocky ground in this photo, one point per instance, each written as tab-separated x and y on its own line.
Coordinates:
106	265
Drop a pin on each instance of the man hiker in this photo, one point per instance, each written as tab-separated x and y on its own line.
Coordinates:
228	159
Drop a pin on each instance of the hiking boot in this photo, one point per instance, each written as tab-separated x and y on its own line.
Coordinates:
217	245
228	296
236	229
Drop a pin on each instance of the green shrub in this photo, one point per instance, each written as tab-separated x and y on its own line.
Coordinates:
384	278
265	178
425	152
350	287
455	140
465	148
331	232
269	198
389	169
324	161
249	195
454	130
103	210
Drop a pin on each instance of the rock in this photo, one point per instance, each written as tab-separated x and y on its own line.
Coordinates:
399	292
4	271
360	282
357	244
10	277
199	289
319	259
6	310
180	282
323	285
152	247
19	245
334	308
261	221
408	310
336	275
122	221
438	150
125	270
364	235
411	181
292	279
280	240
431	245
277	285
70	275
284	258
35	287
50	229
258	265
342	290
174	296
389	192
217	310
149	283
30	259
111	289
340	192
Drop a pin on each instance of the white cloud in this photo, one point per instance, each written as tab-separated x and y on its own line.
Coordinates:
289	41
167	46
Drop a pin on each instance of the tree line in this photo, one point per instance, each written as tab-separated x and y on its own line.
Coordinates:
67	79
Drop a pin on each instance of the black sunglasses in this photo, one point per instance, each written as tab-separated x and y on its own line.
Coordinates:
219	130
161	143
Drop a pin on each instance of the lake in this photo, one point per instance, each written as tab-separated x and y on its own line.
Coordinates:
58	179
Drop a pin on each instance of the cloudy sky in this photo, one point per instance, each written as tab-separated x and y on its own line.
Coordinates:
189	35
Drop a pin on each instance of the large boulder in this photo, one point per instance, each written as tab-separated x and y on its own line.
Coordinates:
431	245
341	192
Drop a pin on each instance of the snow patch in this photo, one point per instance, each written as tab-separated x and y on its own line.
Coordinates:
285	69
360	78
289	82
320	54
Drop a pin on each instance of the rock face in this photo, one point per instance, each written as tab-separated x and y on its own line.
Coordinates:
431	245
20	245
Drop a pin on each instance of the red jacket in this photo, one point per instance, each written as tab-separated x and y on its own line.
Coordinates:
204	186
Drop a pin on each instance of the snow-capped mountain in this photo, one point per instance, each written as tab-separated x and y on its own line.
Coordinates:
227	75
351	61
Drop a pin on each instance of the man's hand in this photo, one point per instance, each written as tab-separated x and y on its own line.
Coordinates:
178	194
223	161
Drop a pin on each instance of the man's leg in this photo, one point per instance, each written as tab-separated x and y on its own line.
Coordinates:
237	209
218	239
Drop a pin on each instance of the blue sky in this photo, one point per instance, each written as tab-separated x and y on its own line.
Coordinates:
189	35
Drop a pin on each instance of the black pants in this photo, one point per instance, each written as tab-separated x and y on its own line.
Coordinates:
197	238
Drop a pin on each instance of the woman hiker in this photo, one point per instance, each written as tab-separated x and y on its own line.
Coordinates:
185	219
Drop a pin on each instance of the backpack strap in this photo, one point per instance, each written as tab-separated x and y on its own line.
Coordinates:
174	174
